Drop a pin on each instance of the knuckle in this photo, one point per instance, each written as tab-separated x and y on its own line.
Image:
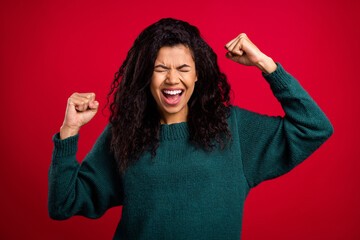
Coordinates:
243	35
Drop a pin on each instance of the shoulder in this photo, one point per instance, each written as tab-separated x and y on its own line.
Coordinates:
239	113
106	133
236	110
236	114
108	127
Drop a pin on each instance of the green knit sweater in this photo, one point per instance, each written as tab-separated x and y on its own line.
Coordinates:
188	193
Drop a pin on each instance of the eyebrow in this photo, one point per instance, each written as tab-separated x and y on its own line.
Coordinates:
165	67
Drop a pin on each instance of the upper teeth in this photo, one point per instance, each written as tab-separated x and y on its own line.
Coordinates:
172	92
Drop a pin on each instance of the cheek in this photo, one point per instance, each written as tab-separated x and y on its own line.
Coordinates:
190	92
191	84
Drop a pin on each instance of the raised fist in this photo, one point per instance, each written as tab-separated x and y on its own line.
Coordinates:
81	108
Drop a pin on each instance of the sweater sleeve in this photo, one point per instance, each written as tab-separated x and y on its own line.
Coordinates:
273	145
86	189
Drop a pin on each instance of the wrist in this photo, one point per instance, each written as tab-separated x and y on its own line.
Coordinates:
266	65
66	132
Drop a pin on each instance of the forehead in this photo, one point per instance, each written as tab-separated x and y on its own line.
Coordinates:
175	54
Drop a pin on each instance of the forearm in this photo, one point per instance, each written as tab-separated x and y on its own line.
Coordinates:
66	132
266	65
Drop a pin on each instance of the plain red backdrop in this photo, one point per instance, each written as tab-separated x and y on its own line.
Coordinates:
50	49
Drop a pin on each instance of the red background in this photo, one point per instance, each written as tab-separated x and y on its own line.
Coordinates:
50	49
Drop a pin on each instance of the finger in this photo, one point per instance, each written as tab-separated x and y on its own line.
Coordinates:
92	102
242	35
245	36
85	104
94	105
84	96
91	96
232	45
238	47
236	58
233	57
80	103
229	43
235	39
248	41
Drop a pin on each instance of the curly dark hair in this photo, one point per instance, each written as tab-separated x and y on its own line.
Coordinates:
135	119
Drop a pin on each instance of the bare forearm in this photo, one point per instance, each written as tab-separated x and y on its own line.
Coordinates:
66	132
266	65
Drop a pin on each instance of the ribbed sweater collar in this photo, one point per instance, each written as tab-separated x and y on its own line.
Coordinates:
174	131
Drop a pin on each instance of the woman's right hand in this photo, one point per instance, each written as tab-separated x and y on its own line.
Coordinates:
81	108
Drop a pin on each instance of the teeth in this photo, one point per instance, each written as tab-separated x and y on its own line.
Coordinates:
172	92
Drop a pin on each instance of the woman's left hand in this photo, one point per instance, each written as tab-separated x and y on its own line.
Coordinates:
243	51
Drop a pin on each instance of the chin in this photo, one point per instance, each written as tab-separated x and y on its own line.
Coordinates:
173	110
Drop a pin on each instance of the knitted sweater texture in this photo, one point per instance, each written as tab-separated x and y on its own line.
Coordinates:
188	193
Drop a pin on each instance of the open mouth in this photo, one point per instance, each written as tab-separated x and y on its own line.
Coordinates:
172	96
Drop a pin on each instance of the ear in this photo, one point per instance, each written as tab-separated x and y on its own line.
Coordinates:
196	79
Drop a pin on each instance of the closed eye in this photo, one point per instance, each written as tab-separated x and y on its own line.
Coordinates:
178	68
165	71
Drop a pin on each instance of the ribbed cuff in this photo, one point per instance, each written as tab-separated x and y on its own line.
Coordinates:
65	147
278	79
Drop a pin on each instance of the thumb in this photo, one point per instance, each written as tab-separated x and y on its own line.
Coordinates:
233	57
71	108
237	53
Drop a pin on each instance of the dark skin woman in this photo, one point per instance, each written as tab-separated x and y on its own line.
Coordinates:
174	71
176	155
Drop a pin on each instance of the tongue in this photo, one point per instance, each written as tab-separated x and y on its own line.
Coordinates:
172	97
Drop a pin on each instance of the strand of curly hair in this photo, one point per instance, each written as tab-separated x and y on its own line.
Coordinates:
134	117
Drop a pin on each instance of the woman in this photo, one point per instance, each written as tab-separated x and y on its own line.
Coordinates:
176	154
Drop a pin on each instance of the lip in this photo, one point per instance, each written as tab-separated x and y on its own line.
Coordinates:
171	103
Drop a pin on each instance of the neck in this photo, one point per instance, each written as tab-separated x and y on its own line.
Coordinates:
170	118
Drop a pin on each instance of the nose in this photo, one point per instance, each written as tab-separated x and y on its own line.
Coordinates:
172	77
